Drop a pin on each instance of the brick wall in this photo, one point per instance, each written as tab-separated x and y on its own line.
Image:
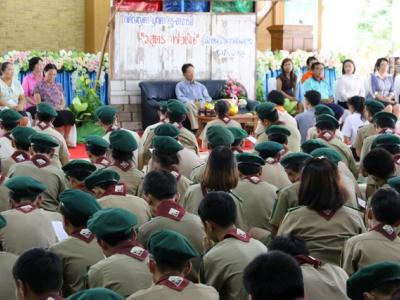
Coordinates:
42	25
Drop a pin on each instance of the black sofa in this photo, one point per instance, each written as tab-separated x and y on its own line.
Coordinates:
154	91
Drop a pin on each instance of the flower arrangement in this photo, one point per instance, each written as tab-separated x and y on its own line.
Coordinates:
233	89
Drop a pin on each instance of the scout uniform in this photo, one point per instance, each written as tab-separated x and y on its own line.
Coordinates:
41	169
313	134
324	233
79	167
61	154
129	174
322	109
6	147
125	271
258	196
4	195
310	145
96	294
239	135
168	245
27	225
273	172
21	135
226	121
98	142
381	243
80	250
224	263
116	194
7	261
163	110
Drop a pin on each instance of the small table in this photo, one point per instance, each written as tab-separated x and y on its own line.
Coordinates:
246	120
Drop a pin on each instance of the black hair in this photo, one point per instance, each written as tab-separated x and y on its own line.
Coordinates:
309	59
121	155
325	126
41	149
79	174
388	288
175	118
276	97
297	166
33	62
160	184
8	126
290	245
278	138
313	97
77	220
249	169
274	275
237	143
358	103
379	61
4	66
185	67
218	207
221	108
44	117
348	61
21	146
272	117
116	238
385	123
165	159
106	185
391	148
379	163
385	205
316	64
17	198
39	269
95	150
49	67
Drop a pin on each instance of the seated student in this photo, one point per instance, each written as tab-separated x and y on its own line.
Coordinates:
278	98
124	268
322	221
258	196
165	157
170	263
21	142
317	83
80	250
96	294
38	275
381	243
274	275
305	120
105	185
268	115
189	91
122	146
389	142
7	261
76	172
160	191
25	198
354	121
162	114
375	282
239	135
310	145
321	280
96	149
234	249
41	169
272	171
9	119
222	110
279	134
45	116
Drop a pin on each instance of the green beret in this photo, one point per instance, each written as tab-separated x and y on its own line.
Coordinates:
292	159
46	109
97	141
269	149
328	153
371	277
25	186
384	115
101	176
163	105
167	245
109	221
43	139
95	294
265	110
394	182
9	116
310	145
79	165
374	106
239	134
167	130
277	129
122	140
219	136
22	135
166	144
385	139
79	202
177	107
249	158
3	222
322	109
106	114
328	119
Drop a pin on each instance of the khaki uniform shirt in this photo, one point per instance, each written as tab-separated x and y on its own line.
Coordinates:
362	133
287	198
102	162
368	248
7	283
49	175
132	177
294	139
275	174
367	146
16	157
313	134
6	148
217	121
223	265
28	229
190	292
4	195
325	238
77	254
197	173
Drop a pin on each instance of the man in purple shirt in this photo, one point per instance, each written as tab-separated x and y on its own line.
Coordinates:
306	120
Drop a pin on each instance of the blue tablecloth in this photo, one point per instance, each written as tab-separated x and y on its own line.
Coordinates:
330	76
65	79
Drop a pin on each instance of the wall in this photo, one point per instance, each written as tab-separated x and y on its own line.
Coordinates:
97	15
275	17
42	25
